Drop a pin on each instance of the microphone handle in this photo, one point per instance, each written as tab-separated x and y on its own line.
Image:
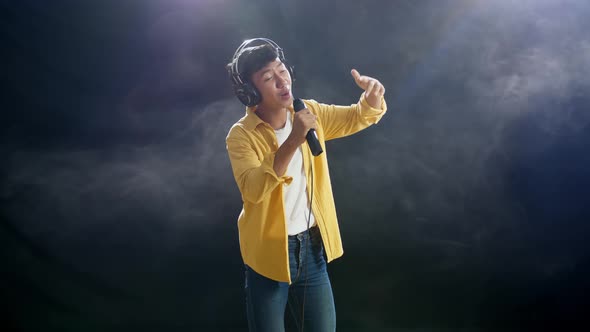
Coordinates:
314	143
312	137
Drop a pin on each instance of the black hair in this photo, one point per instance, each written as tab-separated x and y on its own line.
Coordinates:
252	59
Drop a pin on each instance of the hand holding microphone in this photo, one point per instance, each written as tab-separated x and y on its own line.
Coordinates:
304	127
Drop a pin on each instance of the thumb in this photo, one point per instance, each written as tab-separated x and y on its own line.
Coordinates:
355	74
357	78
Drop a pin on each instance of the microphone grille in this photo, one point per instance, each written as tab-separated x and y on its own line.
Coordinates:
298	104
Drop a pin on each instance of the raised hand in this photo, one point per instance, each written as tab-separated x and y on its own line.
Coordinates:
374	90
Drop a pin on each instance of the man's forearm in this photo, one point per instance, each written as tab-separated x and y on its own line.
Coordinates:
283	157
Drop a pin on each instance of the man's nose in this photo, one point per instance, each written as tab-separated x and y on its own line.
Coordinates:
281	82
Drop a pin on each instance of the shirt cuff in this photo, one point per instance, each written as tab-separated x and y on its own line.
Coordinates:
368	108
268	167
371	114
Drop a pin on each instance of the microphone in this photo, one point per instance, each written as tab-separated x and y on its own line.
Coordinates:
312	137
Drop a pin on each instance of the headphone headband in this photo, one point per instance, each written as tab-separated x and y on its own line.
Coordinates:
235	69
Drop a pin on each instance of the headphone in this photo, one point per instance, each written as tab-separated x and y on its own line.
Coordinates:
244	90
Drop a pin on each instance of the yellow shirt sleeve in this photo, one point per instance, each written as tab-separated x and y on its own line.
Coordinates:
254	175
340	121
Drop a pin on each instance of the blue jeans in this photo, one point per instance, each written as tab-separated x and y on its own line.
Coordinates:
267	299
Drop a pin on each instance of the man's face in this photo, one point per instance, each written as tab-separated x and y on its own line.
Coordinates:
274	84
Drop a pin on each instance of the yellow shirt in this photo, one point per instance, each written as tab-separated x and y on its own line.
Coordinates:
251	145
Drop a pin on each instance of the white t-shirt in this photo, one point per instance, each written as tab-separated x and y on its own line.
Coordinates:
295	195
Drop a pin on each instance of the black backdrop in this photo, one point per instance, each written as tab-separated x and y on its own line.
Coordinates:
464	208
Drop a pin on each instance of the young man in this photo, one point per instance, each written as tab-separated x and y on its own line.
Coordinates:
288	228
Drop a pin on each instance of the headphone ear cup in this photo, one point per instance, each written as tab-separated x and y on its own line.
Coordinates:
248	94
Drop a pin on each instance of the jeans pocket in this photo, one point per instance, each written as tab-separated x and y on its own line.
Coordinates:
317	249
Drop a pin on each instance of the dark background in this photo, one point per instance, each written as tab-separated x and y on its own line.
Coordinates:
466	207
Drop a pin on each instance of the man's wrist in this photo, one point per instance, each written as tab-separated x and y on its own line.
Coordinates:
291	143
373	101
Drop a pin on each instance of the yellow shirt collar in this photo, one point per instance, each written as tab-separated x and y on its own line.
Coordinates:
251	120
